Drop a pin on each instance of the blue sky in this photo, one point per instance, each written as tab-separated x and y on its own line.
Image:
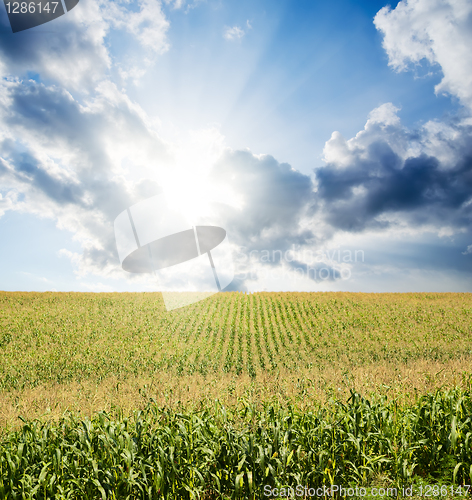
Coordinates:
302	70
317	126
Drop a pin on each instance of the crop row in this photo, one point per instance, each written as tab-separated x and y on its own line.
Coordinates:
233	453
59	338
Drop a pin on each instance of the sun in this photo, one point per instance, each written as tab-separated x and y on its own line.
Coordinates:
190	197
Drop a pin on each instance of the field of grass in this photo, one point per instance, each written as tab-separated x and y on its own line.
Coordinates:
262	377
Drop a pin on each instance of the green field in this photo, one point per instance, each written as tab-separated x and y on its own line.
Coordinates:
242	390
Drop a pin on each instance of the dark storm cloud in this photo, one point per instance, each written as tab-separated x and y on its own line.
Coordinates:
419	188
273	198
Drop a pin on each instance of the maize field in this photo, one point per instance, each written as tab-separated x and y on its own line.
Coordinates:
109	396
220	453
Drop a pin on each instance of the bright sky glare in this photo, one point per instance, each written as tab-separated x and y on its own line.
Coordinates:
302	127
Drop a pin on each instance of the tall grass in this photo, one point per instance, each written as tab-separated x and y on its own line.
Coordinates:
58	337
232	453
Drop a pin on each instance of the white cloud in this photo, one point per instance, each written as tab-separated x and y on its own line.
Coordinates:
6	202
77	57
80	164
468	250
149	25
439	31
388	176
234	33
383	124
176	4
385	115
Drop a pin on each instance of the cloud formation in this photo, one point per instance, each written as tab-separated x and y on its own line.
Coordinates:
60	159
272	198
392	181
72	51
438	31
387	175
75	148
